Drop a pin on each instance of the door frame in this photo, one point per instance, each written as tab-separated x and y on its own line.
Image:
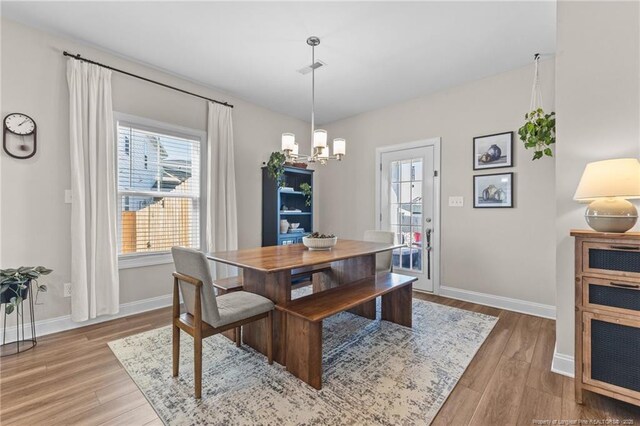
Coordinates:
435	143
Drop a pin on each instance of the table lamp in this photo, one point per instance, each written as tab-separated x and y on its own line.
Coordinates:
608	185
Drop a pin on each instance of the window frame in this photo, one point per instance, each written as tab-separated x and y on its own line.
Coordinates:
126	261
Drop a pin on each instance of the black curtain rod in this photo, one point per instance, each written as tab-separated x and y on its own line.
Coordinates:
80	58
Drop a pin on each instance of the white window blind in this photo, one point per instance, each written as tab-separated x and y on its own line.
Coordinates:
158	190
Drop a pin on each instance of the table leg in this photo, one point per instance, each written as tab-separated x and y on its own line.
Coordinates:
397	306
304	351
277	287
353	269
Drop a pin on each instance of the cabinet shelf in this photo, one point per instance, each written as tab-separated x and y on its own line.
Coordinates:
291	192
285	213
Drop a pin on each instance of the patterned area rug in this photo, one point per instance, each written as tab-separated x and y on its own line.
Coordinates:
375	373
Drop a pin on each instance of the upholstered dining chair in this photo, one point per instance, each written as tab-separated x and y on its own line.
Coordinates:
383	260
207	314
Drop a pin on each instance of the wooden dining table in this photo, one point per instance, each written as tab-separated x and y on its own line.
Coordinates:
267	271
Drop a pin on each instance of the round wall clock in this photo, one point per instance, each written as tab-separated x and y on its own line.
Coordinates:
19	136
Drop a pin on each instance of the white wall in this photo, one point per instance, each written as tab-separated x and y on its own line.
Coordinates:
35	222
501	252
598	107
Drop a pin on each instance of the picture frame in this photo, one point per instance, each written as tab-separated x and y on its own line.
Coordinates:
493	191
493	151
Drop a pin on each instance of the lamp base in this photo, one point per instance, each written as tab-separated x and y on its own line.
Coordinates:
611	215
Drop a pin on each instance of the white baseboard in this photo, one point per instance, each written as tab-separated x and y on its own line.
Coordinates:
55	325
562	364
516	305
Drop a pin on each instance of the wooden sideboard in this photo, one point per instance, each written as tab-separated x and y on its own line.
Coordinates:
607	339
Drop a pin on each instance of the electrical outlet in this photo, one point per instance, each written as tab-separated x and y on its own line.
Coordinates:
67	289
457	201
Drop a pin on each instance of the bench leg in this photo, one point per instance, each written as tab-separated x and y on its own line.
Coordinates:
367	310
304	350
397	307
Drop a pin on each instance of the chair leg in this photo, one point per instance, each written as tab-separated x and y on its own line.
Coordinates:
270	337
238	336
197	366
176	350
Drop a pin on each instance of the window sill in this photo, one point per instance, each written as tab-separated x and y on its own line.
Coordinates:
128	262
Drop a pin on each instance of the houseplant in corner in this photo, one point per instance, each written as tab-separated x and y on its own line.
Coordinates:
15	283
539	130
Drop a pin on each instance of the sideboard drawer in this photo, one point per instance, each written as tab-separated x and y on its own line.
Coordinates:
611	353
614	295
622	259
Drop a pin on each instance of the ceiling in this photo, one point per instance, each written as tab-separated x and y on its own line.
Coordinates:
377	53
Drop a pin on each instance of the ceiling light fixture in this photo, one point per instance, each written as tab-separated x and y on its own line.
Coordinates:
320	149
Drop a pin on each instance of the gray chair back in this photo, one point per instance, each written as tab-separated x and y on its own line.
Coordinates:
194	264
383	260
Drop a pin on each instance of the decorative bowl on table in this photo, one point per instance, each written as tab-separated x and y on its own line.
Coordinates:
317	241
294	225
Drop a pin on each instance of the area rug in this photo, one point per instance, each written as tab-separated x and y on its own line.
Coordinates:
375	373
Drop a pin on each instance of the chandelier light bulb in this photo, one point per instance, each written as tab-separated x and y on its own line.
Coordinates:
320	138
288	141
339	146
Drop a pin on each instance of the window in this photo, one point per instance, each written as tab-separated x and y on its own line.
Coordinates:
159	189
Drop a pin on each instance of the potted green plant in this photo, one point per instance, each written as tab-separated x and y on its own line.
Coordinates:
539	132
306	190
14	284
275	167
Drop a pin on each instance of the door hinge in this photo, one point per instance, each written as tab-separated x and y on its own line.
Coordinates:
380	166
380	217
435	173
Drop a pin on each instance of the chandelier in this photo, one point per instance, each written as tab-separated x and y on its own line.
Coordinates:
320	149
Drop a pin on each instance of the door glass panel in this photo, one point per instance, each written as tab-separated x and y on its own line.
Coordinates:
405	192
394	196
394	217
405	171
416	174
405	200
395	172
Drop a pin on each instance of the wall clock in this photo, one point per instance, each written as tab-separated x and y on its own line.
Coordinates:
19	136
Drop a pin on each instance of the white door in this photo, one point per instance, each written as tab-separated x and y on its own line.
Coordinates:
408	206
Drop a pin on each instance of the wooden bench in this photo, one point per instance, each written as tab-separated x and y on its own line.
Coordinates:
303	323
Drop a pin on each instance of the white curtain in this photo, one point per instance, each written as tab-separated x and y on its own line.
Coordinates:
222	214
94	263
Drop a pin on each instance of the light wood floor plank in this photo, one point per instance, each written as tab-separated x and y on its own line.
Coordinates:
459	408
545	381
537	405
109	410
500	402
523	339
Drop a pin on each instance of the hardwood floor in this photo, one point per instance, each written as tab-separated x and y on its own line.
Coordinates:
73	378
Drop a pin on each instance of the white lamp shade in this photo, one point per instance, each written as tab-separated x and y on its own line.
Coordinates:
324	153
288	141
339	146
610	178
320	138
